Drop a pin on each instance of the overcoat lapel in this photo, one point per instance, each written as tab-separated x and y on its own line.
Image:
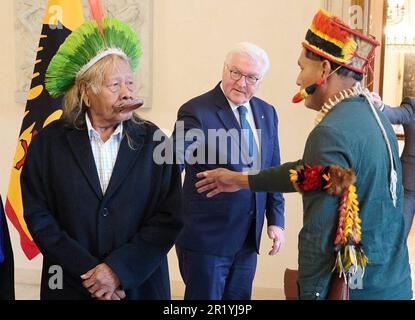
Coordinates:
126	157
81	149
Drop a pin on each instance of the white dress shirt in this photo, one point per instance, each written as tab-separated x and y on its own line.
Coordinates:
105	153
250	117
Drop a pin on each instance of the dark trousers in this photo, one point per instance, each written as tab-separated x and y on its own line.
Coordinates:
210	277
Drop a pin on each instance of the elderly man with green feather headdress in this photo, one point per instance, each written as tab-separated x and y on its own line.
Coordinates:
100	210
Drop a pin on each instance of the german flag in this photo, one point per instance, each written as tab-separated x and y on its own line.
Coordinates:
61	18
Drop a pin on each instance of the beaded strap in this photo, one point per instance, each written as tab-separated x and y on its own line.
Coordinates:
357	90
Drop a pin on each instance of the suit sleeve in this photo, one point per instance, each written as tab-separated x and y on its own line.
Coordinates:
402	114
53	241
135	261
184	146
275	200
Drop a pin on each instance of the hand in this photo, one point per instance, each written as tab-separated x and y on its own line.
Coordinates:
377	100
101	281
220	180
118	294
277	235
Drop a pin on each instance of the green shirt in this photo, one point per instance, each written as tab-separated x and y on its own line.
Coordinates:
349	136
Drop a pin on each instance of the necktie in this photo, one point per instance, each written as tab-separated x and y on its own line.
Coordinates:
247	133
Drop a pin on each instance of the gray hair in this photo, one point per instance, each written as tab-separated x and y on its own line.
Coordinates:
251	50
74	106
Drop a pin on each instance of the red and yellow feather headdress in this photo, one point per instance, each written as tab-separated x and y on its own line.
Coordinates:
332	39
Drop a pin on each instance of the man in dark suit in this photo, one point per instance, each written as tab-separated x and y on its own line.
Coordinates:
405	116
217	249
6	260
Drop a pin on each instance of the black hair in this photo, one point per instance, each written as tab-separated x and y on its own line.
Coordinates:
344	72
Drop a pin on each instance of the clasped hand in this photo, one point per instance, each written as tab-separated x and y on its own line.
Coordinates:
103	283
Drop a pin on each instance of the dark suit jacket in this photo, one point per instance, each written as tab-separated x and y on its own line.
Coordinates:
220	225
131	228
7	267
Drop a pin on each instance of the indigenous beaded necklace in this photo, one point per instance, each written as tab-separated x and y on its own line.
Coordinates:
338	97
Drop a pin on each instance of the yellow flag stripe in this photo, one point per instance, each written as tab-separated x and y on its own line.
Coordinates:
66	11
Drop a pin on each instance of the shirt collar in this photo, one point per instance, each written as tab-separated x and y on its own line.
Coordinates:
92	132
234	107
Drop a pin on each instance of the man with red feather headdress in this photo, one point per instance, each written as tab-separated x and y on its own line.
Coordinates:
349	175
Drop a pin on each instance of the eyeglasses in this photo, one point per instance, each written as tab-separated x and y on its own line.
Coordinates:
115	86
236	75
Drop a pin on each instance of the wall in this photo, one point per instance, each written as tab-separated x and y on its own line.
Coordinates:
191	38
393	77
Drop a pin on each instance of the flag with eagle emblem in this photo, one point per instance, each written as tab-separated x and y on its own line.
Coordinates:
61	18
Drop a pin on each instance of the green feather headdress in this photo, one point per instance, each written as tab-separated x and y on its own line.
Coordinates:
85	46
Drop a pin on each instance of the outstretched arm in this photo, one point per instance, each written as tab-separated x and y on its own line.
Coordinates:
397	115
221	180
276	179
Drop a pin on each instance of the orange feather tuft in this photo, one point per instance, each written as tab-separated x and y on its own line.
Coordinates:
331	26
96	13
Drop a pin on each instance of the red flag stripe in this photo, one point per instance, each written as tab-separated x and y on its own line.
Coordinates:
28	246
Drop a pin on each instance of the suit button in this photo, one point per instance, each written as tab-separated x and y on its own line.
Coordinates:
251	213
105	212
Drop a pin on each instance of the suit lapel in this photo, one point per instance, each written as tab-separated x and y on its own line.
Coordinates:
225	112
227	116
81	149
126	157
